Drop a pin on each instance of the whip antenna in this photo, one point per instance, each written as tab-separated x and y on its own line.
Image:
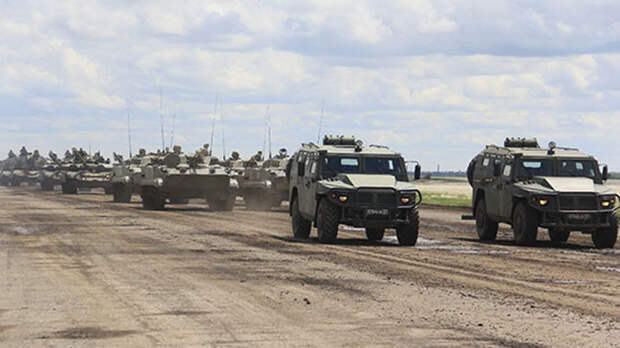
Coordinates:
213	123
128	129
174	119
161	118
318	138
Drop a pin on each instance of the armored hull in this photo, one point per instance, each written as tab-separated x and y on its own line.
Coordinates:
265	187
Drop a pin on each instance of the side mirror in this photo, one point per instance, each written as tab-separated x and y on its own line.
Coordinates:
497	167
605	173
418	172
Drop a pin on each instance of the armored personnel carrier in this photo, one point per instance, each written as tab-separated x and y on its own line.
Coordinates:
126	175
22	169
526	186
51	173
176	178
82	171
265	184
344	182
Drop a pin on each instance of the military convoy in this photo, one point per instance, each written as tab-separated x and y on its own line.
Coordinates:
21	169
344	182
557	188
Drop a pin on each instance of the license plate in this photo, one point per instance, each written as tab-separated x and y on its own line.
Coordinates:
578	217
377	212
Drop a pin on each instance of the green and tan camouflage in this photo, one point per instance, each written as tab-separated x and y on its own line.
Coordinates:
22	169
82	171
176	177
344	182
557	188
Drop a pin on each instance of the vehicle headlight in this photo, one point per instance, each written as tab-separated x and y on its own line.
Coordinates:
233	183
341	197
543	202
268	184
608	202
406	199
159	182
126	179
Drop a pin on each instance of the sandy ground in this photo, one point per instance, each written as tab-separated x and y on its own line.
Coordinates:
82	271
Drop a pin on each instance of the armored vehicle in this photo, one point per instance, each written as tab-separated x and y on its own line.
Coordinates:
176	177
22	169
560	189
126	175
51	173
82	171
344	182
265	185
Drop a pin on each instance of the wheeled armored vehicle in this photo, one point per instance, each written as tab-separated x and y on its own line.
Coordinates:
344	182
176	178
557	188
265	185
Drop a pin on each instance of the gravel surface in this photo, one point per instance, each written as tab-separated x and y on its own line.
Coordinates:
82	271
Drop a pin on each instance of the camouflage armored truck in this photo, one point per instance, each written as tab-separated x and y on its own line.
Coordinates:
265	185
176	178
560	189
82	171
126	175
344	182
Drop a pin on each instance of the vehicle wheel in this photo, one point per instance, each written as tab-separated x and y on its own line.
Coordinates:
219	204
152	199
121	193
301	226
254	202
408	234
558	236
485	226
69	187
606	237
47	185
375	234
327	221
524	225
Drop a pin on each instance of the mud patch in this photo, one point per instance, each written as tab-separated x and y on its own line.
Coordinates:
88	333
327	284
185	313
248	259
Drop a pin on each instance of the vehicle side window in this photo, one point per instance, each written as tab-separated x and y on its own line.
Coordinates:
507	170
485	162
313	168
301	164
308	163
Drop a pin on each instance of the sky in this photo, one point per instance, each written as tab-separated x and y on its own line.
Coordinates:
434	80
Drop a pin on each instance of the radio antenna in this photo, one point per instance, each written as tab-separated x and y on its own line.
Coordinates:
213	123
161	118
265	132
128	128
223	138
318	138
174	119
269	130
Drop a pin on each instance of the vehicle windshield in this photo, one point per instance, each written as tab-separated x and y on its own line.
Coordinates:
565	168
362	165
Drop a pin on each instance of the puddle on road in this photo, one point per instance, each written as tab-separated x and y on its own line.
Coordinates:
609	269
434	244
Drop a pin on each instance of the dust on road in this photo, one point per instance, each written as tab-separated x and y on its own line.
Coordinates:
82	271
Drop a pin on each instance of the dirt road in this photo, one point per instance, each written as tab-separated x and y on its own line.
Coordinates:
82	271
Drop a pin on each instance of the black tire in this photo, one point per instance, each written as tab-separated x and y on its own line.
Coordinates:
301	226
47	185
558	236
152	199
524	225
485	226
604	238
121	193
69	187
375	234
407	234
470	172
327	221
222	204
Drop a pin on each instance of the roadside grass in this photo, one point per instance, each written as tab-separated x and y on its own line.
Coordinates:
445	199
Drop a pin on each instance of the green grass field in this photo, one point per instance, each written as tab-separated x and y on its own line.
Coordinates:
445	199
